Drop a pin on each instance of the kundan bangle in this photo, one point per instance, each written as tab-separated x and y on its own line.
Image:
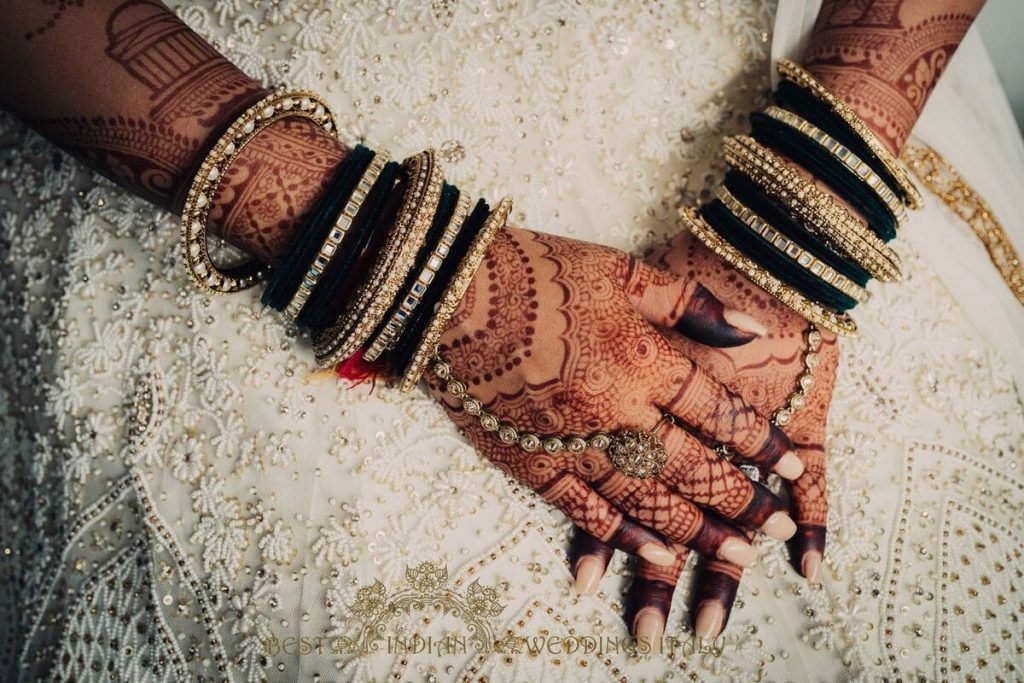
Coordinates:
287	276
411	299
817	209
337	233
801	77
790	249
376	294
446	307
854	163
195	215
840	323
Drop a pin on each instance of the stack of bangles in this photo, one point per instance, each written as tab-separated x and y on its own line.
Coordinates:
375	287
791	238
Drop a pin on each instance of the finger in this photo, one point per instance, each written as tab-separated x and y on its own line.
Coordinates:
595	515
714	593
651	503
650	596
688	307
697	399
588	558
810	510
711	481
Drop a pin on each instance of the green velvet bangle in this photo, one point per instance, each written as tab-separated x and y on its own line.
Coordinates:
288	276
770	210
800	101
822	164
731	229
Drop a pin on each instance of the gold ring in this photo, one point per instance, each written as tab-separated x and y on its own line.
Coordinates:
639	454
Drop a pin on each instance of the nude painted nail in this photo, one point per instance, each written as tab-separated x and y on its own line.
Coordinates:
789	466
810	566
710	620
780	526
744	322
656	554
738	552
649	625
588	574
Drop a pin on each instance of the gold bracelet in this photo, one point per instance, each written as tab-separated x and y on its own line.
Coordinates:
411	301
815	208
840	323
195	215
794	403
853	162
942	178
803	78
788	248
394	261
336	235
449	302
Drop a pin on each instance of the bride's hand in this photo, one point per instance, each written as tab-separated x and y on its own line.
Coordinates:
555	337
764	373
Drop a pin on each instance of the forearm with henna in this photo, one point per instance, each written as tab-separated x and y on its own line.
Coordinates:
131	90
884	57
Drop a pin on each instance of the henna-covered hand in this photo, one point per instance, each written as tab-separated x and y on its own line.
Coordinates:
558	337
764	373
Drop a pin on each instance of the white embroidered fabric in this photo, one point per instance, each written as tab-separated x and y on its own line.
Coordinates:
180	498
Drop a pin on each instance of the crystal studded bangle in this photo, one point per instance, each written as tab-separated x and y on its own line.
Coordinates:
376	294
456	289
408	303
801	77
195	214
336	235
858	166
791	250
840	323
815	208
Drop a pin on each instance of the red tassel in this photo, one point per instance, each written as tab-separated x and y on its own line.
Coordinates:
357	371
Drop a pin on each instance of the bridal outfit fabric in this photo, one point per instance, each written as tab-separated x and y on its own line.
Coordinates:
178	491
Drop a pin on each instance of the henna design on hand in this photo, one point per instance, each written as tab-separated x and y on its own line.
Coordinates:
552	337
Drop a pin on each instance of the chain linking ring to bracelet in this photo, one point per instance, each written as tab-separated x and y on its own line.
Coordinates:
638	454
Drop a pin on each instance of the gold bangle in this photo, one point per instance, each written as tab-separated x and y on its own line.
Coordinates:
196	212
815	208
449	302
790	249
394	261
411	300
803	78
336	235
840	323
853	162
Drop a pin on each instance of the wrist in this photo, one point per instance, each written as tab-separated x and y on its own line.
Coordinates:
272	185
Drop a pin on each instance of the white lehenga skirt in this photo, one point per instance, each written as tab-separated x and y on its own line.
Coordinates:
181	501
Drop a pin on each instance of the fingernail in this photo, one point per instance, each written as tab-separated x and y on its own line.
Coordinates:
710	620
736	551
649	625
742	321
810	566
780	526
789	466
588	575
656	554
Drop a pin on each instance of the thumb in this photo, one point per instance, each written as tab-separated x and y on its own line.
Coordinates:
688	307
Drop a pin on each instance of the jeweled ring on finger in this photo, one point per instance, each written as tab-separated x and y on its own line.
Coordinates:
639	454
